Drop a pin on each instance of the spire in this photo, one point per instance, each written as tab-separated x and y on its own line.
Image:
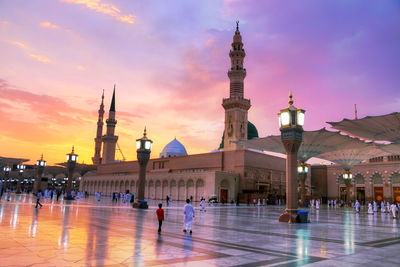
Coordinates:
41	157
290	98
144	133
102	98
73	148
112	107
237	25
355	111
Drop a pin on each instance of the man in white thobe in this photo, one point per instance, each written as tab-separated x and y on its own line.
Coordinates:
383	207
370	210
357	206
203	204
375	206
393	208
189	215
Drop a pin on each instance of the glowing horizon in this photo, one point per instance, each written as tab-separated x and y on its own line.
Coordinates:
170	70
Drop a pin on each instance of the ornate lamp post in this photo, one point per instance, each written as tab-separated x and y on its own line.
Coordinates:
71	163
143	146
20	168
347	177
6	171
302	171
291	121
40	164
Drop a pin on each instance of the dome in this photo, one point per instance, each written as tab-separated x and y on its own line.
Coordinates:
173	149
252	132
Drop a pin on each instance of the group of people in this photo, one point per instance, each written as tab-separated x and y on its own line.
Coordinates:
392	209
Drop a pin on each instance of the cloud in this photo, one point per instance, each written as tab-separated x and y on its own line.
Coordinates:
104	8
47	24
19	44
40	58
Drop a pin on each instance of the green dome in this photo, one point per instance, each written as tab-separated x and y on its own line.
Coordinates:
251	133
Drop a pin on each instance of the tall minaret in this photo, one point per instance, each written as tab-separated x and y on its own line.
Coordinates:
109	139
97	141
236	106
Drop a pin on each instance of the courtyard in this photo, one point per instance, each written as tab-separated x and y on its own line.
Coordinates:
88	232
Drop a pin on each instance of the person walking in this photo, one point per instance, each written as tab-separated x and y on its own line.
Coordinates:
9	194
189	215
38	197
167	199
203	204
357	206
160	217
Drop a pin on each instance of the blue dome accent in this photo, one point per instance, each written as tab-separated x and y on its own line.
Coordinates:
173	149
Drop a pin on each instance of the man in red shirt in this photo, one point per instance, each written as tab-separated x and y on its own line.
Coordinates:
160	216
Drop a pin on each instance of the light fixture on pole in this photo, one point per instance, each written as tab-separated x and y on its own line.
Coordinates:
291	121
6	171
40	164
302	171
143	149
347	178
72	158
20	168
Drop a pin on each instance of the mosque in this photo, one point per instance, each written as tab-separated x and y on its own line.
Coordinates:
230	173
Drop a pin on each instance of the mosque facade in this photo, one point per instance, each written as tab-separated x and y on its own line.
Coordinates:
230	173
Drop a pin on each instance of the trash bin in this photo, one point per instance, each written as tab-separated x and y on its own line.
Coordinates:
302	216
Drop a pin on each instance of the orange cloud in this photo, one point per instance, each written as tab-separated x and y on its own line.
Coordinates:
104	8
40	58
19	44
47	24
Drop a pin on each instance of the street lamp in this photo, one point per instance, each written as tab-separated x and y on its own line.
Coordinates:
302	171
347	177
71	163
6	171
20	168
143	149
291	121
40	164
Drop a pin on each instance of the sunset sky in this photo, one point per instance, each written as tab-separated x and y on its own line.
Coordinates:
169	61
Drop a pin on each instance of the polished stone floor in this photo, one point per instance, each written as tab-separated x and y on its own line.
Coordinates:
92	233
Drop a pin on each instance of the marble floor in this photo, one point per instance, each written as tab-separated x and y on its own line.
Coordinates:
87	232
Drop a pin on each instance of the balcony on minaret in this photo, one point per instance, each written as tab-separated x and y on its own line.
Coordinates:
236	102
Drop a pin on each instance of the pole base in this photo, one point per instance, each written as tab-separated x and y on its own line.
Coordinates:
140	205
18	193
288	217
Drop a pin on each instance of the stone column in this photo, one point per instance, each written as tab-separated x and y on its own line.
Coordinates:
291	140
143	159
71	167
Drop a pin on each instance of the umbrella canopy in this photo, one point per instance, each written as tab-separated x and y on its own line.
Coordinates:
347	158
314	143
375	128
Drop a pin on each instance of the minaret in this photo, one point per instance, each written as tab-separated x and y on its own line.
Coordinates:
97	141
236	106
109	139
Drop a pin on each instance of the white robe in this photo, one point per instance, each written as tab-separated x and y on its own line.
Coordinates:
394	211
370	211
189	214
357	205
317	204
203	205
382	207
375	207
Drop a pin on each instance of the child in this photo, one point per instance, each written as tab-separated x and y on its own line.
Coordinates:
189	215
160	216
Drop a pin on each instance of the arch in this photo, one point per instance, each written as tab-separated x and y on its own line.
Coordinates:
181	190
377	178
126	186
121	186
199	189
151	189
132	187
164	189
190	189
111	187
107	191
395	177
158	193
359	178
173	190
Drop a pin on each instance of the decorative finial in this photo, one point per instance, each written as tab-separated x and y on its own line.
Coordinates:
355	111
144	133
290	98
41	157
237	25
102	96
73	148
